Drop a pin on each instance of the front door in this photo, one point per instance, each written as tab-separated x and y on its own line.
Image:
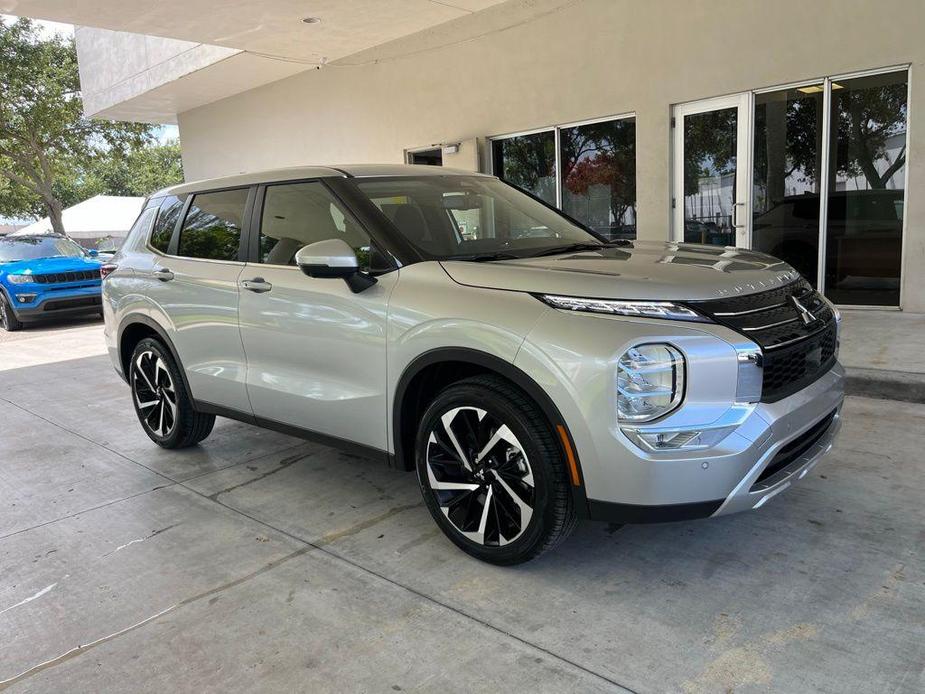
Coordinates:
316	352
710	192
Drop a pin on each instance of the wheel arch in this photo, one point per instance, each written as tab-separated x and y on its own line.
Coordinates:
137	327
433	370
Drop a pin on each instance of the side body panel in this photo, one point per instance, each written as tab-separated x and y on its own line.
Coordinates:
201	303
198	312
429	311
316	353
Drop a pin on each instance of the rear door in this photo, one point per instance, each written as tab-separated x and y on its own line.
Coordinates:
199	293
316	351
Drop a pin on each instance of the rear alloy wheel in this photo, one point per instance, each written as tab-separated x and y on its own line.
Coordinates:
492	473
155	395
162	404
8	319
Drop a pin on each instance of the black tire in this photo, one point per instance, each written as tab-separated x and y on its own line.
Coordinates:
8	319
506	469
164	407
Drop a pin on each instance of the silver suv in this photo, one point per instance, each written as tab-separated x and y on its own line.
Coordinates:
530	372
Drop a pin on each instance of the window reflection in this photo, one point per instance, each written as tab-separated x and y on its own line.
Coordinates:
709	176
599	176
866	181
787	160
212	228
529	162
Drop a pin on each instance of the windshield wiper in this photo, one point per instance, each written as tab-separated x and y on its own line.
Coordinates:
571	247
488	257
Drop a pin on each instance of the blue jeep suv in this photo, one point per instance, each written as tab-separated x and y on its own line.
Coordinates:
44	277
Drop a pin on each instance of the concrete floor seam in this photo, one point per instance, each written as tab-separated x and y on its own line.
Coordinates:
88	440
88	510
427	598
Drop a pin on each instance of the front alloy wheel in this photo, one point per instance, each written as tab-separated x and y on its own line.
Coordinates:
492	472
480	476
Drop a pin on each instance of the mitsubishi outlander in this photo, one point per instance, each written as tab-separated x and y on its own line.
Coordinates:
530	371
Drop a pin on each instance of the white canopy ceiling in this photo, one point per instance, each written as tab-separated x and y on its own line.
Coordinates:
149	61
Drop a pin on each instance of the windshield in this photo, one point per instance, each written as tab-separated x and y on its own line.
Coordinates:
471	217
32	248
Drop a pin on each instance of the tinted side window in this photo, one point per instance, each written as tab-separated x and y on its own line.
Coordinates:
170	210
297	214
212	228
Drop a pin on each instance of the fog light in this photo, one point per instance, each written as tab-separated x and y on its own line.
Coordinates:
679	439
671	439
25	298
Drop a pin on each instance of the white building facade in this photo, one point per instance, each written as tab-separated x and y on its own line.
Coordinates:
788	127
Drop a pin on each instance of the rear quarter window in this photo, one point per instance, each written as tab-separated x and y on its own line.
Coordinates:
139	231
167	216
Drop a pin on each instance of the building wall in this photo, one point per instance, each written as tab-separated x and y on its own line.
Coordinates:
488	75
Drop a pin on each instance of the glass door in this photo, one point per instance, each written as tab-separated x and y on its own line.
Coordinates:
711	153
786	164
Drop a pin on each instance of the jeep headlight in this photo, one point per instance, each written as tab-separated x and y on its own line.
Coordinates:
19	279
650	382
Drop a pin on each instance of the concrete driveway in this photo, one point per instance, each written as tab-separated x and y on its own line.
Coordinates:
261	562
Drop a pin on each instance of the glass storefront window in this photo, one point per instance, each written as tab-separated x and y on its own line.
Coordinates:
787	158
599	176
866	189
529	162
597	185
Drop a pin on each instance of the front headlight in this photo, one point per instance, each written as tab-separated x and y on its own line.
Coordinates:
19	279
650	382
639	309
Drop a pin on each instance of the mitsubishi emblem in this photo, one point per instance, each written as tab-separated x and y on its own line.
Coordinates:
804	312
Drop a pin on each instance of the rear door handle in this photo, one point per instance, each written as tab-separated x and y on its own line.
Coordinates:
258	284
163	274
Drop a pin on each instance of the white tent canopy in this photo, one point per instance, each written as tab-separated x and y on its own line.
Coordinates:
101	216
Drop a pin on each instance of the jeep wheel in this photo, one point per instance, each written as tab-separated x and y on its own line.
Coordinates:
8	319
162	404
492	473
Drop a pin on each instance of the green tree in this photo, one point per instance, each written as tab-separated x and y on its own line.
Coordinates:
138	171
48	148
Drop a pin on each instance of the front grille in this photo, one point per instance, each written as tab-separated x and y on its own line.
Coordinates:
796	448
56	277
82	302
795	352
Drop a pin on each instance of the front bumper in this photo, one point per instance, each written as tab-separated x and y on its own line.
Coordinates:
40	305
788	439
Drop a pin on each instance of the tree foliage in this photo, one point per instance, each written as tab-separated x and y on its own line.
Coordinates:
51	155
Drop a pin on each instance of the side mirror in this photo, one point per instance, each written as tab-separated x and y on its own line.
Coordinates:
93	253
333	258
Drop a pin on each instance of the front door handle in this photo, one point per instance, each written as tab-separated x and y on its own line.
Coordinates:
258	284
162	274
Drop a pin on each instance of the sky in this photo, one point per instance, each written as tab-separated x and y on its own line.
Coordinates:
163	132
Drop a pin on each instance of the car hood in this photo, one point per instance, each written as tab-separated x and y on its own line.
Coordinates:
639	270
40	266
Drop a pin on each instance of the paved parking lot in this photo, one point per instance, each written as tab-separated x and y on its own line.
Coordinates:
258	561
